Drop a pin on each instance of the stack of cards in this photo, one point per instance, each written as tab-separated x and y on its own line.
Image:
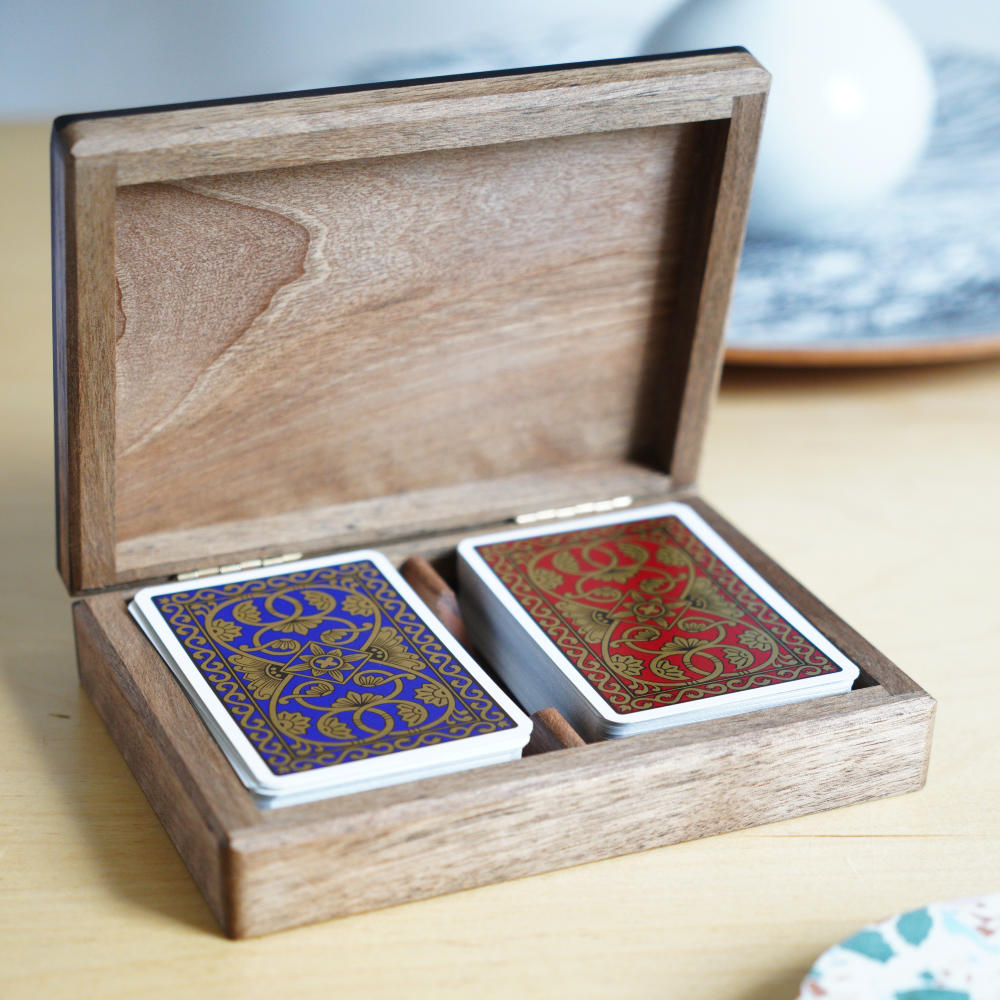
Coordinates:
633	621
330	676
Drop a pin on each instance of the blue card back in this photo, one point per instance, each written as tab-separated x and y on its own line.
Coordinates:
325	666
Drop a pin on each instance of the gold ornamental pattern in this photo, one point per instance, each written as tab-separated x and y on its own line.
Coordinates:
650	616
326	666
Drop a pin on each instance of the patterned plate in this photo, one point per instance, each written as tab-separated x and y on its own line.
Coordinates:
913	280
944	951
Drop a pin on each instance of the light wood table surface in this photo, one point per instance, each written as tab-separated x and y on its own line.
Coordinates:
880	490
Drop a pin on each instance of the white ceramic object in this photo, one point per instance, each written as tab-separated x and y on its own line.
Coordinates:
850	106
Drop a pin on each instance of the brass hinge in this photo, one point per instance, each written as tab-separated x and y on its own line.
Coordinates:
593	507
194	574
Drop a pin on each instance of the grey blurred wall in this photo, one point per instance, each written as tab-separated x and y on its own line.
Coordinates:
59	56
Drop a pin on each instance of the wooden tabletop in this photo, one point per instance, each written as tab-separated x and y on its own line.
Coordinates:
880	490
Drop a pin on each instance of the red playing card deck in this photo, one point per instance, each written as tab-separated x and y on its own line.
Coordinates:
639	620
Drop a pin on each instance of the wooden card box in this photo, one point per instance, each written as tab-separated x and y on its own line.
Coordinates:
394	316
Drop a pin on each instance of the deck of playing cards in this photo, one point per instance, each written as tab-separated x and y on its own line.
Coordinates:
326	677
633	621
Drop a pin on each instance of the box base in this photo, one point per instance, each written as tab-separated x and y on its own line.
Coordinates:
262	871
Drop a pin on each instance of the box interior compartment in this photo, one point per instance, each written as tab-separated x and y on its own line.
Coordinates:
453	333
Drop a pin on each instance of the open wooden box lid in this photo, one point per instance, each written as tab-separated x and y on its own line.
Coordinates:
308	323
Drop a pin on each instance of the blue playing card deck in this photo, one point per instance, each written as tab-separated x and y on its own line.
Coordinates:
328	677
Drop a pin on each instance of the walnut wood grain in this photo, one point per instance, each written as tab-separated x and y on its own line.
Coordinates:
550	731
266	870
437	595
620	796
396	121
713	285
314	322
318	376
84	367
138	704
451	510
244	257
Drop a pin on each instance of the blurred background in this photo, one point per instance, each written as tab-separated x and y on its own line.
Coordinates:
881	247
875	226
58	56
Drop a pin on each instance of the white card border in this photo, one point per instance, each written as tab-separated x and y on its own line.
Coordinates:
264	781
713	540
